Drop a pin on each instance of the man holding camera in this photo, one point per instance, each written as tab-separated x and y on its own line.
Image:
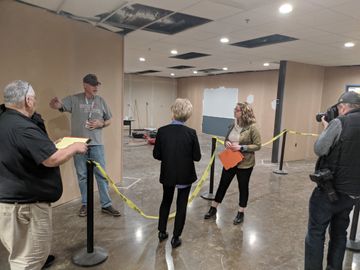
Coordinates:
338	177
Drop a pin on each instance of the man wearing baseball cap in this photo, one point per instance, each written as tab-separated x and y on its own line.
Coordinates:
89	115
338	148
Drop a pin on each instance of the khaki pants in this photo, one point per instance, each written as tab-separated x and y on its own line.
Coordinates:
26	232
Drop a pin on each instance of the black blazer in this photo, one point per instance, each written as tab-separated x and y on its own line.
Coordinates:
177	147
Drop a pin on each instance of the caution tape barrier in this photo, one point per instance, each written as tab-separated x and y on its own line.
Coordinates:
133	206
198	186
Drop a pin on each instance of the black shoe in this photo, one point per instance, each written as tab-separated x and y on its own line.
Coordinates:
162	236
211	213
83	211
239	218
175	242
111	211
49	261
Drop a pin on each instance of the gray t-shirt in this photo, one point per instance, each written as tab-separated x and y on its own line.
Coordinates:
83	109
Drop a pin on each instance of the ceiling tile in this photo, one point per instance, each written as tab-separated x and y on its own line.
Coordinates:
211	10
51	5
90	8
350	8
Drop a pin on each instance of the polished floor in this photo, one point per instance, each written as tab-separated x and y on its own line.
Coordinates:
271	237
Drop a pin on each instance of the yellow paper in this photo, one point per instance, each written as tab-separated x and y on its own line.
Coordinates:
66	141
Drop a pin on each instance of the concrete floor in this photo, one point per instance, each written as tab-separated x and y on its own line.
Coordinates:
271	238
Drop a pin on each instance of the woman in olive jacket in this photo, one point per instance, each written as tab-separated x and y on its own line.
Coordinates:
177	147
242	136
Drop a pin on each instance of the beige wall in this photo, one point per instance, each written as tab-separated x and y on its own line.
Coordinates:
302	99
336	79
54	53
310	89
263	85
147	100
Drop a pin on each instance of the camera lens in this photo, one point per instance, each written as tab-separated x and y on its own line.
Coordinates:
319	116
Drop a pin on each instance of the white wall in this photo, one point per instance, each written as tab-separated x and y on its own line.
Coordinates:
147	100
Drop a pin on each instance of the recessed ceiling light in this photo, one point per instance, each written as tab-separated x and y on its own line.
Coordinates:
349	44
172	74
225	68
174	52
195	71
142	59
224	40
266	64
285	8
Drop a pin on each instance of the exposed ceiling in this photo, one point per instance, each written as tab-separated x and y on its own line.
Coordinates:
152	28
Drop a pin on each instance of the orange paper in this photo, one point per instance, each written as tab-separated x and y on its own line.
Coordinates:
230	158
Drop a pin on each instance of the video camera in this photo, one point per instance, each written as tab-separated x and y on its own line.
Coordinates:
330	114
323	179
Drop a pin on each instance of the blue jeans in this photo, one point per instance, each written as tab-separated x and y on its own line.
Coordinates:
323	213
96	153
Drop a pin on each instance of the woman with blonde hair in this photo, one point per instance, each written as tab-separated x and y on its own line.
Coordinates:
242	136
177	147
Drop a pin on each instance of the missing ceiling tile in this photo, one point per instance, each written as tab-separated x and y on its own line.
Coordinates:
264	41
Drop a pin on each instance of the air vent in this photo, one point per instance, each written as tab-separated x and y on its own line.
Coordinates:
181	67
210	70
264	41
176	23
146	71
190	55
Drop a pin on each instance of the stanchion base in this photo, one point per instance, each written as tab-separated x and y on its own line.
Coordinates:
277	171
83	258
208	196
353	245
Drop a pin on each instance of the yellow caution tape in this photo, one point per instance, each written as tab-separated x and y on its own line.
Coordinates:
199	185
278	136
303	133
133	206
273	139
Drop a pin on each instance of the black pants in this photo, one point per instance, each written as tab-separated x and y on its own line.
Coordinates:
243	177
181	204
324	215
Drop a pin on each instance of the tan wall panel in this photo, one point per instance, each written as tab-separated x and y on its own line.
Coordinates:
54	53
262	85
147	100
302	99
336	79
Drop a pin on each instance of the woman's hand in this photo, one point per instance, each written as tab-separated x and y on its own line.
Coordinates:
235	147
228	145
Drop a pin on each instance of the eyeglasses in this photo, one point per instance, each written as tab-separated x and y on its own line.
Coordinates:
27	91
237	110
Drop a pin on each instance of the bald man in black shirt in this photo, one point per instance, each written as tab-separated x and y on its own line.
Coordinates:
29	178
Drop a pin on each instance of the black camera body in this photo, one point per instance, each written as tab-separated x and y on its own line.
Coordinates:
330	114
323	178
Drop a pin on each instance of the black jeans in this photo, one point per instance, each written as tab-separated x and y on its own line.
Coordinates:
243	177
181	205
323	213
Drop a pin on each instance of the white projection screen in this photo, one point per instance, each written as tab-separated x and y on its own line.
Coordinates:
218	109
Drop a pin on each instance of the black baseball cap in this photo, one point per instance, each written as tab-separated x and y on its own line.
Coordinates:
351	97
91	79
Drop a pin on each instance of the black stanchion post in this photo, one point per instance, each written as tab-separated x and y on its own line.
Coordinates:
280	170
352	244
90	255
209	195
90	206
